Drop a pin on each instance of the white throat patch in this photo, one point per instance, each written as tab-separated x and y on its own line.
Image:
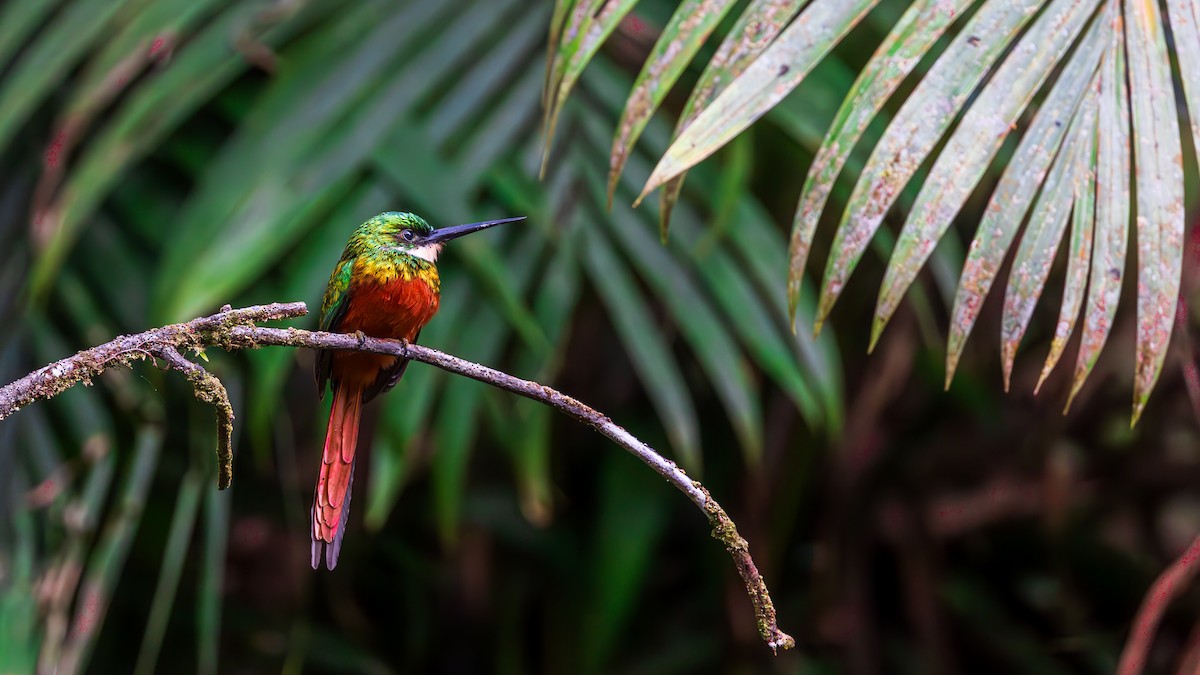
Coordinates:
429	252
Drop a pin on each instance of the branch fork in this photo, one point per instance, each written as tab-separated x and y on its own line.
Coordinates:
235	329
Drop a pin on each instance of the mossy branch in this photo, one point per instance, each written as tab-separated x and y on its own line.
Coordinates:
234	329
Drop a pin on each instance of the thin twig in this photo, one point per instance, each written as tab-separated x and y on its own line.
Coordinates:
210	390
59	376
234	329
1166	588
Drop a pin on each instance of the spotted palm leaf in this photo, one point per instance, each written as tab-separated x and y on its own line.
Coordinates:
1086	84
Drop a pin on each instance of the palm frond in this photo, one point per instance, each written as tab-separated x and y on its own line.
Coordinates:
104	567
912	36
682	37
1017	188
1158	183
1002	61
1112	206
588	25
183	520
912	134
976	139
1083	222
1185	25
1043	233
764	84
753	32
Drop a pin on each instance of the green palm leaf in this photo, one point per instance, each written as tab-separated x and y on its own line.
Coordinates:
683	36
1158	183
1185	24
1016	191
1039	242
912	134
1112	206
1080	256
753	32
912	36
1014	49
975	142
763	85
588	25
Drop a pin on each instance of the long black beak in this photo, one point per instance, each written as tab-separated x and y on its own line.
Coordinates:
443	234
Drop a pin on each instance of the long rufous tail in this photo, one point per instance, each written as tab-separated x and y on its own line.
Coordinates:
331	503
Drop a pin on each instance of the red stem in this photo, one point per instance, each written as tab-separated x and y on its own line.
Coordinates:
1168	585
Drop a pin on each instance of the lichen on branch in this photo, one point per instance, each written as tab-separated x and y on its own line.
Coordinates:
235	329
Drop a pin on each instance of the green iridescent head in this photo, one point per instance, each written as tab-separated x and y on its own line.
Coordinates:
409	233
397	226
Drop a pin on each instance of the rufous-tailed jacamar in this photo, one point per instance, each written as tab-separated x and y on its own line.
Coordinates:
386	286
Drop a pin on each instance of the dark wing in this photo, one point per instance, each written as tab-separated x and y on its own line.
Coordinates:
388	378
333	310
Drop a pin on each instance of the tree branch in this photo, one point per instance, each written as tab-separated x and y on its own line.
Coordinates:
1169	585
234	329
210	390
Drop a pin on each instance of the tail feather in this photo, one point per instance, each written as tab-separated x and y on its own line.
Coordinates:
331	503
333	549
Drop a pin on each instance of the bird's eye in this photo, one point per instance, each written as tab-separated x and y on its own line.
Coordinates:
408	235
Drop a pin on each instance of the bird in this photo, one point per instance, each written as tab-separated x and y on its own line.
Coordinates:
385	285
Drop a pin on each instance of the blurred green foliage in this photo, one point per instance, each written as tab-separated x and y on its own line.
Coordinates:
161	158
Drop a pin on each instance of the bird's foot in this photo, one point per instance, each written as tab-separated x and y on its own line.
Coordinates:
362	337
